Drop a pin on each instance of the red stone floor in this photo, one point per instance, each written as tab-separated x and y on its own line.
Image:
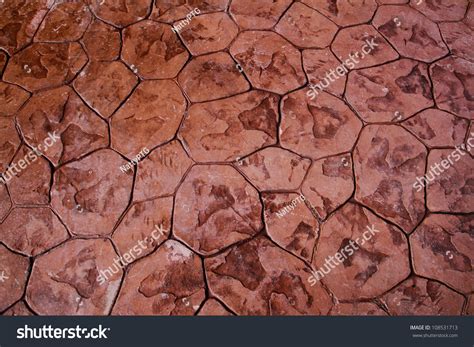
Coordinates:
230	138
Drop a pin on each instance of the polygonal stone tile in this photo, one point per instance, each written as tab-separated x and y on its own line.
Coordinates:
421	297
344	12
441	10
150	117
437	128
64	280
215	207
453	79
290	224
14	271
390	92
412	34
451	188
262	14
258	278
212	307
168	282
32	231
90	194
372	256
275	169
121	13
65	22
304	27
329	184
387	160
317	128
225	130
470	305
5	202
19	309
12	98
170	11
45	65
357	309
104	86
152	50
442	249
101	41
9	142
146	224
459	38
161	171
209	33
212	77
60	115
269	61
359	40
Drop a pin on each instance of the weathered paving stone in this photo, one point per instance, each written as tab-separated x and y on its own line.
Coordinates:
257	14
12	98
442	250
275	169
304	27
212	77
226	130
439	11
105	85
9	142
378	260
217	208
102	41
168	282
418	296
61	113
170	11
411	33
208	33
258	278
66	21
452	84
329	184
15	267
317	128
387	160
150	117
437	128
5	202
344	12
459	38
91	194
390	92
32	231
212	307
290	224
452	188
357	309
148	222
64	280
121	13
469	19
269	61
161	171
19	309
45	65
3	60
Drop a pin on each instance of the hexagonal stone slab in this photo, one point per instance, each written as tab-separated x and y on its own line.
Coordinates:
225	130
168	282
104	86
258	278
150	117
32	231
357	309
391	92
262	14
387	160
15	267
19	309
442	249
5	202
12	98
212	307
269	61
317	63
62	113
212	77
317	128
170	11
459	38
9	142
343	12
121	13
444	10
64	280
215	207
372	256
101	41
91	194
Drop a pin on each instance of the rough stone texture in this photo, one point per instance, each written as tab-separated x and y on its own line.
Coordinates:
90	194
442	249
12	98
390	92
9	142
5	202
19	309
102	41
219	208
258	278
387	160
171	10
168	282
357	309
317	128
262	14
32	231
212	307
459	38
149	118
3	60
64	280
14	269
441	10
226	130
344	12
269	61
121	13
